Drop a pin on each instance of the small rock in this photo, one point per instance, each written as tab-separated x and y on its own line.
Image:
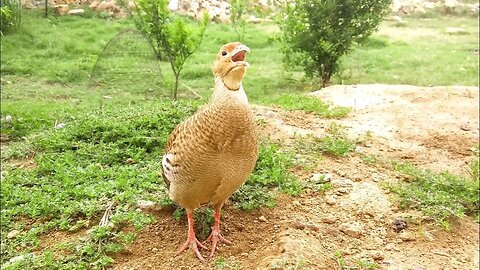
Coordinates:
343	191
353	229
329	219
297	225
12	234
330	200
21	258
407	236
378	256
60	125
8	118
262	219
399	224
61	9
78	11
390	246
465	128
130	161
296	203
321	178
143	204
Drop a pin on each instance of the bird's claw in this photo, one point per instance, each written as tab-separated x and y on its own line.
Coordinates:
216	237
194	244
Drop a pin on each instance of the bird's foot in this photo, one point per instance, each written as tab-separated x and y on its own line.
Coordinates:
216	237
194	244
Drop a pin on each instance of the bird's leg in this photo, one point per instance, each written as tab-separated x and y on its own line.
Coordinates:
191	239
215	236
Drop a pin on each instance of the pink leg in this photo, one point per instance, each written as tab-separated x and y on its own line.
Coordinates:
192	240
215	236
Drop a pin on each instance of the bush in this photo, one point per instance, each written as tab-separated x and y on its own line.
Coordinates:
317	33
10	15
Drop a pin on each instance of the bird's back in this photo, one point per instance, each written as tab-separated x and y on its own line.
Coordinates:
211	154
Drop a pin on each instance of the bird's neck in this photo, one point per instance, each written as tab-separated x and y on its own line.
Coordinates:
222	92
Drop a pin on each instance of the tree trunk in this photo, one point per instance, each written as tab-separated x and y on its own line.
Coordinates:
175	89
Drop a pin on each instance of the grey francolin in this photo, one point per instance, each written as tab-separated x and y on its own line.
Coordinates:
210	154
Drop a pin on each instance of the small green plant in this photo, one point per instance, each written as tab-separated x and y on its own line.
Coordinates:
365	264
361	264
204	219
269	177
308	104
11	16
170	35
441	196
473	170
222	264
317	33
239	24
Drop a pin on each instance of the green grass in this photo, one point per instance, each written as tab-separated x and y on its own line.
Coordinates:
419	53
308	104
108	155
334	143
441	196
270	176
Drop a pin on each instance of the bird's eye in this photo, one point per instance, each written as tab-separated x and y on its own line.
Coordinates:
224	53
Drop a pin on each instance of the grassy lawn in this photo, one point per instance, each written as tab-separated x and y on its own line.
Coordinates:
75	147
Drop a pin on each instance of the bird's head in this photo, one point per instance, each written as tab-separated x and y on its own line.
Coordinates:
230	65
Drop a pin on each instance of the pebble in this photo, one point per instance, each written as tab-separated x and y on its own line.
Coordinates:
343	191
296	203
143	204
399	224
377	256
321	178
330	200
353	229
329	219
12	234
262	219
154	249
391	246
407	236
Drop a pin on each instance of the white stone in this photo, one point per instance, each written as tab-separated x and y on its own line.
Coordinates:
78	11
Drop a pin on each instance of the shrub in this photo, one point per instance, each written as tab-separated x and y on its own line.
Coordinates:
171	36
317	33
10	15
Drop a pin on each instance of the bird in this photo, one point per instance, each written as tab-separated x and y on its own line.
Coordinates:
212	153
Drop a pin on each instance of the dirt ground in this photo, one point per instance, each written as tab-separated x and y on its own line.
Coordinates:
434	128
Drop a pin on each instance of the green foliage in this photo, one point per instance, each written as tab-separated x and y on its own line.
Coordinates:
335	143
442	196
171	36
237	9
474	169
204	220
11	15
269	177
222	264
308	104
317	33
107	155
361	264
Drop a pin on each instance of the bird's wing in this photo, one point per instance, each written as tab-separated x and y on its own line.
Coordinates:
166	161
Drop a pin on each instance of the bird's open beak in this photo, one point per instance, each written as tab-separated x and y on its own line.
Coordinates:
238	55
